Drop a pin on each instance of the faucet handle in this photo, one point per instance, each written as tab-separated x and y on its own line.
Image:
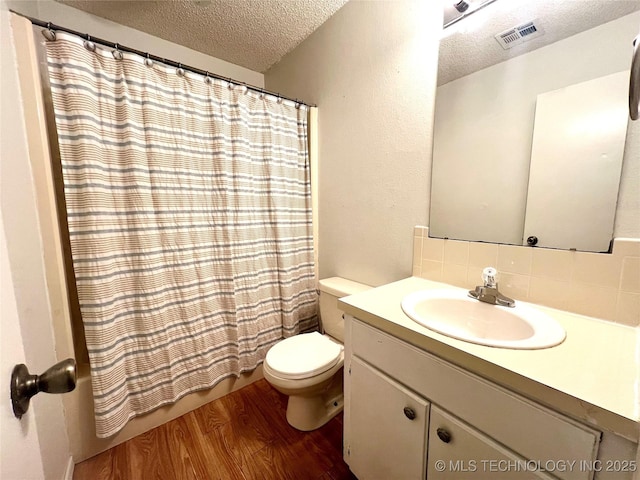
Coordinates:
489	275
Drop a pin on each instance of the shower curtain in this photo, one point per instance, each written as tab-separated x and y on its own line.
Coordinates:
189	210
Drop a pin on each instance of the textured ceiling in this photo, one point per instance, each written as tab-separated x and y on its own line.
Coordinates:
251	33
469	45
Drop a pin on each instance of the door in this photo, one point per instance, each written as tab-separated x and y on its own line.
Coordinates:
576	159
457	451
19	442
388	427
36	446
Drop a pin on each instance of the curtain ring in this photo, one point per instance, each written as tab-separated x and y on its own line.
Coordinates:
117	54
207	78
89	45
298	104
262	94
230	84
180	70
245	89
49	34
147	61
279	99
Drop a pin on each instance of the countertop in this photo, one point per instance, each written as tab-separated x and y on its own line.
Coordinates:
594	375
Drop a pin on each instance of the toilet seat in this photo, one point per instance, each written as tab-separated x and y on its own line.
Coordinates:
303	356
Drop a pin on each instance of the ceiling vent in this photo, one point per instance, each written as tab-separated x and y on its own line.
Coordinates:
519	34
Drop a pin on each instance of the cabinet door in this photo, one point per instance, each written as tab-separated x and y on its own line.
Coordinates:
388	427
457	452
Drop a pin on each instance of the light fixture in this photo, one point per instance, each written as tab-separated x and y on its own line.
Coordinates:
465	9
461	6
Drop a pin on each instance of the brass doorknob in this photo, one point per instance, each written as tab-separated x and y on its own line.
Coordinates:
60	378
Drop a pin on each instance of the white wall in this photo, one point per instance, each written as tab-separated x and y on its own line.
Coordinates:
483	131
371	68
24	289
63	15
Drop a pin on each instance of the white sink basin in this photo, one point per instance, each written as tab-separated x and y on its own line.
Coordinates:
453	313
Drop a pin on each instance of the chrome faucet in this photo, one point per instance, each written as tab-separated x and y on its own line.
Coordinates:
488	292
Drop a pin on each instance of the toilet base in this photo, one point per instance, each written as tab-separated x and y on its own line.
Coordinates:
309	412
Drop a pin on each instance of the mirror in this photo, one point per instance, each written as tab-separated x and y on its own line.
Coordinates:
508	164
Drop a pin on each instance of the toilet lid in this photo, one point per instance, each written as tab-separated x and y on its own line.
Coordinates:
303	356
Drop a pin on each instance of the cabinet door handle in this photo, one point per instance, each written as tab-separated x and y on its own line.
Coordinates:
443	435
410	413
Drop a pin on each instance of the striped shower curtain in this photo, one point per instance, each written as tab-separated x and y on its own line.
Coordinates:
189	211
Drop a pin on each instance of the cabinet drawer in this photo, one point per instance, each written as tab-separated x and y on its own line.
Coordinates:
468	454
532	431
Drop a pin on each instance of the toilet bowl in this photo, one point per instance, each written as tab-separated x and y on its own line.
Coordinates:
308	367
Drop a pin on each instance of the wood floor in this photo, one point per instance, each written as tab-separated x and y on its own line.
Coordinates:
243	436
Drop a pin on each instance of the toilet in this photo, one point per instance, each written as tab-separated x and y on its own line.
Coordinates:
308	367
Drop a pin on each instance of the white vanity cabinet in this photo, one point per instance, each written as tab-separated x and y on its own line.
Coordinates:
390	429
397	397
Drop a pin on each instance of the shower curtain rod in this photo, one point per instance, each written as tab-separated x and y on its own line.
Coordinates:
124	48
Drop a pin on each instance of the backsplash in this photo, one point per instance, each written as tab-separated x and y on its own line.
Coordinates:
605	286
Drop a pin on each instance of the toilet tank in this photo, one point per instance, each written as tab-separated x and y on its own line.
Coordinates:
331	289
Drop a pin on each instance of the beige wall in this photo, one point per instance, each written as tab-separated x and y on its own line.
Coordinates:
593	284
371	68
